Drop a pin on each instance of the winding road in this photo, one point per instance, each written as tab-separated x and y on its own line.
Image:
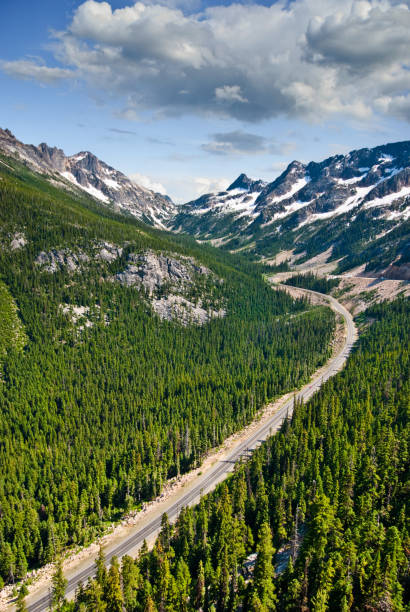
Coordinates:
149	527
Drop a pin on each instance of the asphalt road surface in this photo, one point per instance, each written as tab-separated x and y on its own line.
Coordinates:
192	492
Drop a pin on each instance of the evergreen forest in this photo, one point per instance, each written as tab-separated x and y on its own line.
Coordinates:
313	282
96	414
316	520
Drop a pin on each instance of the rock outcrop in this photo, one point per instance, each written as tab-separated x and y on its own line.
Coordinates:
168	281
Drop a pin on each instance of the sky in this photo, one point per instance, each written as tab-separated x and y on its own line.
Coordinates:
184	95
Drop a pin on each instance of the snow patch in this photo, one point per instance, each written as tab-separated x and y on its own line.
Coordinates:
96	193
79	157
399	214
297	186
112	184
347	205
350	181
289	210
384	158
388	199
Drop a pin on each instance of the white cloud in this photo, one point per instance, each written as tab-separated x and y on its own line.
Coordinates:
183	188
145	181
398	106
371	36
229	93
30	70
309	59
204	185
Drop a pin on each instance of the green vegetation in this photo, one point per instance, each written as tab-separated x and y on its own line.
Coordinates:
313	282
12	336
330	492
93	421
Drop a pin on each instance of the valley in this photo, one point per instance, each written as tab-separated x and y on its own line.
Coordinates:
142	367
217	466
205	306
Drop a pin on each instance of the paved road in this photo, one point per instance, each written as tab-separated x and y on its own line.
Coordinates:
218	472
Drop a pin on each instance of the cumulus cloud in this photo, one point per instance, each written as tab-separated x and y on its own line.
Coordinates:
309	59
29	70
373	35
145	181
229	93
203	184
239	142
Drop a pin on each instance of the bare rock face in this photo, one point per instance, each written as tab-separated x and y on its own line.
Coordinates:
55	260
176	307
167	281
153	271
108	252
18	241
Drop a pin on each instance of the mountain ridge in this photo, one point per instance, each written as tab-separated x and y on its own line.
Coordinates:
366	190
86	172
354	207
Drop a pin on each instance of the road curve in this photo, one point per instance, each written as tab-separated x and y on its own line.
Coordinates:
207	481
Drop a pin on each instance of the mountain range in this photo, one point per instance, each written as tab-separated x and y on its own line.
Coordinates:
85	172
353	209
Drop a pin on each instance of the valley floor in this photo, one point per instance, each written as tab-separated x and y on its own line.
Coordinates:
356	290
127	537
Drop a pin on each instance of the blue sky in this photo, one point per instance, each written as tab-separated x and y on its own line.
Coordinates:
184	95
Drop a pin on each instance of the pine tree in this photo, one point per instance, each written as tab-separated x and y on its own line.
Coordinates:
21	599
112	591
263	580
100	562
59	584
200	588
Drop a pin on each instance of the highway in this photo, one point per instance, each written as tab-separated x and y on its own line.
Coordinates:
189	495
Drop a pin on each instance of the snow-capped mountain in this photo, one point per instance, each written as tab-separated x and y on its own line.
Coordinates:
84	171
309	206
361	180
240	197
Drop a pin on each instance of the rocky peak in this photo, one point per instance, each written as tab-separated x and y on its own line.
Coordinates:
247	184
53	156
284	184
84	171
87	161
7	134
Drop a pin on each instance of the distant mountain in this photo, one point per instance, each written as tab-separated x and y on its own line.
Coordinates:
345	204
353	208
86	172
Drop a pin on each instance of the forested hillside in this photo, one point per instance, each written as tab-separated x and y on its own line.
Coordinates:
329	492
313	282
107	399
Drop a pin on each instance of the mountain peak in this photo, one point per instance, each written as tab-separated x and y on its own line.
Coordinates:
8	133
294	166
84	171
242	182
247	184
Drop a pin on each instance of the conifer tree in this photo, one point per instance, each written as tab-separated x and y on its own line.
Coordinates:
59	584
263	580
